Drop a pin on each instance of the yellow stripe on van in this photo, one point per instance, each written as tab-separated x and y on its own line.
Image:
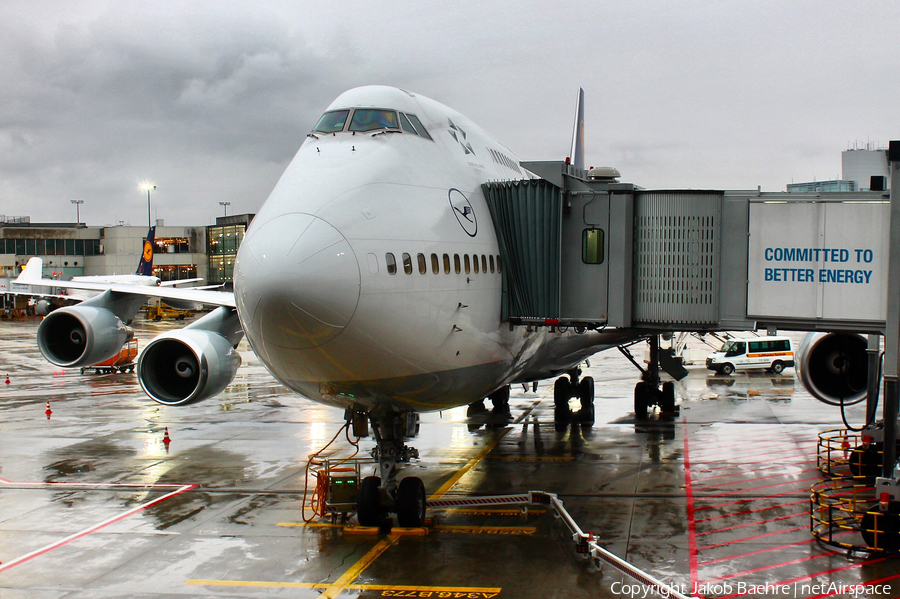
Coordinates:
771	354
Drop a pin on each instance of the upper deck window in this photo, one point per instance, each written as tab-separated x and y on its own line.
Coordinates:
332	122
370	119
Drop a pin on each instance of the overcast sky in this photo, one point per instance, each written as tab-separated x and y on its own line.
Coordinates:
210	100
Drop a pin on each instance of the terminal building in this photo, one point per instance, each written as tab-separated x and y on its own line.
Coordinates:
862	169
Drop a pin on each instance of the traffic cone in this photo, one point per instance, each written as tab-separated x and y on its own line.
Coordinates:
48	411
166	439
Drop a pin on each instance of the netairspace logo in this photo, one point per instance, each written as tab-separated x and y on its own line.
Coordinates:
795	590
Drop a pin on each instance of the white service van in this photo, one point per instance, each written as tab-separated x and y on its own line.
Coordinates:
773	354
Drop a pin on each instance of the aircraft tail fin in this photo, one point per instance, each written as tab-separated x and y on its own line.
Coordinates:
577	154
32	272
145	267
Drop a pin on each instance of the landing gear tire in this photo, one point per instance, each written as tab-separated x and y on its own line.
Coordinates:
369	510
777	367
476	407
562	391
586	395
667	401
642	396
411	503
500	400
726	369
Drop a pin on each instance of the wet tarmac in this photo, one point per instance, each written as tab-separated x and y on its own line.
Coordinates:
94	504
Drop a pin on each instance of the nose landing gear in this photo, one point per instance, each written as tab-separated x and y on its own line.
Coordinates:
570	387
381	495
648	393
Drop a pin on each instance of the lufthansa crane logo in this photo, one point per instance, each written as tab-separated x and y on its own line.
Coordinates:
463	212
148	251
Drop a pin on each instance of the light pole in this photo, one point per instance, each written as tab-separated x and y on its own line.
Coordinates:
148	187
78	204
225	205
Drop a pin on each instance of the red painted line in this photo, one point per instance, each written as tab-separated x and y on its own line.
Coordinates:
736	464
744	539
808	576
731	459
863	584
750	480
744	445
706	478
768	549
96	527
789	482
772	566
762	509
689	491
772	496
710	532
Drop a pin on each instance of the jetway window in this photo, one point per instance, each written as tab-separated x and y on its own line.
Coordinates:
423	267
466	263
456	263
592	246
446	264
370	119
435	264
332	122
407	264
391	263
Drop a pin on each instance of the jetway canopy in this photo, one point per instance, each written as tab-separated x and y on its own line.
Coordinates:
595	253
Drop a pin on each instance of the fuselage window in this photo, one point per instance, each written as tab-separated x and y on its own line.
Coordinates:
391	263
435	265
456	263
418	125
406	125
492	265
332	122
499	265
466	261
475	263
370	119
592	246
407	264
483	263
423	266
446	264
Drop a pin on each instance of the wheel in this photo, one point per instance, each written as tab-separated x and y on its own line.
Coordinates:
727	368
586	395
411	502
777	367
369	510
562	391
667	401
882	530
475	408
500	399
641	399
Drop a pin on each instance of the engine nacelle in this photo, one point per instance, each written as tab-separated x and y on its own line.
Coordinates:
81	336
834	366
184	366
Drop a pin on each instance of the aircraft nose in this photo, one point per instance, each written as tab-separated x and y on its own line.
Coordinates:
296	282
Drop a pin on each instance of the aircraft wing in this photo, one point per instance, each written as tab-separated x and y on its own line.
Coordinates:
31	275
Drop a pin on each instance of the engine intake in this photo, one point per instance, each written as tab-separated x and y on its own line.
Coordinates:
834	367
81	336
185	366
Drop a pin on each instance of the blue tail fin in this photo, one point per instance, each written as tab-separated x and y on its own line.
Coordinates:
146	265
577	154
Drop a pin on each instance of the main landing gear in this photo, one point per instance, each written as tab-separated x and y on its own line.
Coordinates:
382	495
570	387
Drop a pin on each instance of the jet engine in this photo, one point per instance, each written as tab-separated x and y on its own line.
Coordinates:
191	364
834	367
81	335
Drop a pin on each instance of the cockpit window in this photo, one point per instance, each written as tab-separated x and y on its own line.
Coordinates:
418	125
406	125
332	122
369	119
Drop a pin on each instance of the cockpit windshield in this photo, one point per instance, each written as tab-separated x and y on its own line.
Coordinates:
369	119
332	122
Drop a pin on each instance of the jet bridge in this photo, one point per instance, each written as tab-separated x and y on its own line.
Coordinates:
584	250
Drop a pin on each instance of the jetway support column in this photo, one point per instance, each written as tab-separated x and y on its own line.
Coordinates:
892	330
874	382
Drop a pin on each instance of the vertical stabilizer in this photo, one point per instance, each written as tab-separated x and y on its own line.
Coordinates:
577	153
145	267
